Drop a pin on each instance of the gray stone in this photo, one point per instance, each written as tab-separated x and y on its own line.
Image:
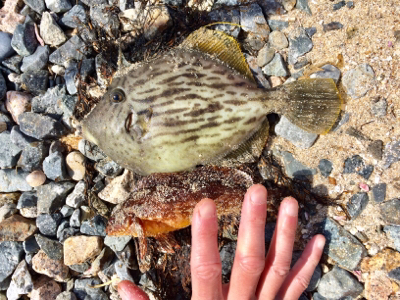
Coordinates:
375	148
299	137
54	167
117	243
33	155
35	82
277	24
66	233
350	4
258	74
66	296
77	197
358	81
265	55
95	226
379	192
219	3
294	168
63	225
74	48
339	5
227	255
303	5
315	279
24	40
341	246
9	152
223	15
102	16
13	181
87	68
332	26
75	220
20	139
51	196
66	211
27	199
37	5
5	46
395	274
357	203
11	253
390	211
278	40
37	60
391	154
339	283
54	102
58	6
393	231
379	108
80	268
53	249
40	126
30	245
329	71
71	77
3	86
4	285
50	31
252	20
83	289
90	150
21	282
325	167
299	44
122	271
272	7
48	224
7	210
311	31
74	17
276	67
57	146
356	164
108	167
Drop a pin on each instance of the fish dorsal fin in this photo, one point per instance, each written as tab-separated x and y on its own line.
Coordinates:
222	46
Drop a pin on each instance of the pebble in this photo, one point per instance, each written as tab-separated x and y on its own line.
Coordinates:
7	210
299	137
339	5
278	40
75	162
59	70
356	164
11	253
299	44
358	81
5	46
9	153
74	48
258	75
74	17
119	188
35	82
329	71
13	180
379	108
51	196
357	204
30	245
66	233
391	153
332	26
395	274
102	16
37	60
36	5
95	226
54	167
66	296
294	168
10	19
75	220
45	289
63	225
90	150
108	167
58	6
40	126
227	255
53	249
50	31
48	224
71	77
80	268
66	211
311	31
223	15
390	211
325	167
341	246
378	286
18	103
393	231
55	102
77	197
252	20
117	243
83	289
33	155
20	139
24	40
379	192
16	228
339	283
36	178
277	24
21	282
375	148
350	4
52	268
146	282
276	67
303	5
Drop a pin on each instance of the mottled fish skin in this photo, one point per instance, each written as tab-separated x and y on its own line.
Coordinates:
181	110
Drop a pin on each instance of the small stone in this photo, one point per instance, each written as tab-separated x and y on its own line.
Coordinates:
9	153
24	40
339	283
303	5
355	164
66	296
58	6
393	231
230	16
311	31
357	204
71	77
117	243
45	289
40	126
350	4
108	167
18	103
11	253
299	44
20	139
50	31
79	249
227	255
53	249
375	148
329	71
119	188
277	24
48	224
16	228
54	167
74	48
27	199
77	197
36	178
35	81
21	282
390	211
299	137
276	67
30	245
76	165
74	17
341	246
10	19
378	286
75	220
358	81
94	226
332	26
156	20
37	5
90	150
339	5
294	168
64	224
37	60
83	289
252	20
325	167
7	210
33	155
379	192
66	211
80	268
13	180
66	233
391	153
59	70
5	46
278	40
51	196
102	16
53	268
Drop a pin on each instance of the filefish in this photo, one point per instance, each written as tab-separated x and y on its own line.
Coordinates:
199	104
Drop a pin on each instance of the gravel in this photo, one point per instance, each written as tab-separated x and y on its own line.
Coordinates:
74	17
52	195
358	81
5	46
357	204
37	60
299	44
276	67
40	126
11	253
24	40
48	224
299	137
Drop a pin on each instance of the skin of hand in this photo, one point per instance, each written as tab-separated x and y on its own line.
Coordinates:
253	275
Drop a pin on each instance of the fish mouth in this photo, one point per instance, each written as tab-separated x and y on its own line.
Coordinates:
132	127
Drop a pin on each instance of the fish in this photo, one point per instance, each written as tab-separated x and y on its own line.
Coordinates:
198	104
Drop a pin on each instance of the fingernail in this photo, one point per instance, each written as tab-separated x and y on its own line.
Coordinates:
320	243
206	211
291	207
258	198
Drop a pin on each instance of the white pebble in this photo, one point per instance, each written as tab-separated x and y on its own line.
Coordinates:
36	178
76	165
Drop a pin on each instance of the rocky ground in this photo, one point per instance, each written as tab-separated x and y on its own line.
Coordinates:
57	191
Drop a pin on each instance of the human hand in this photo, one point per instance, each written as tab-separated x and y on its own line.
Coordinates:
253	275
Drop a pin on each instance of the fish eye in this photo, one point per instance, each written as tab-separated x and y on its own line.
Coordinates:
117	96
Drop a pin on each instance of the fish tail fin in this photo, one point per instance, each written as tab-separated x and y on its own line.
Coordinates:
312	104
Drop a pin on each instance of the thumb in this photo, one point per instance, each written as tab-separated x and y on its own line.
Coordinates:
129	291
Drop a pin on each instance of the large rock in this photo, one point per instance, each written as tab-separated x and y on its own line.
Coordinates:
52	196
79	249
40	126
16	228
55	269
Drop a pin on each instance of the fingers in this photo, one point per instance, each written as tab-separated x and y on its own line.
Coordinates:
129	291
205	262
250	251
277	264
299	277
